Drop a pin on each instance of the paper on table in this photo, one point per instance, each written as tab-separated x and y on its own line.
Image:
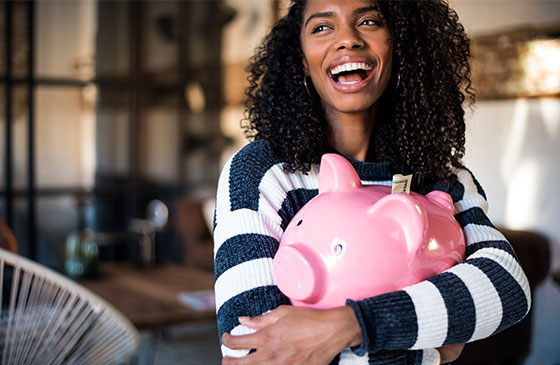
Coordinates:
202	300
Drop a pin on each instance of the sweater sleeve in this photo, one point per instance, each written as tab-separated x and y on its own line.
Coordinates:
247	228
482	296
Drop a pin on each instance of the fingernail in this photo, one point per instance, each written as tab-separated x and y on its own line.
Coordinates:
244	319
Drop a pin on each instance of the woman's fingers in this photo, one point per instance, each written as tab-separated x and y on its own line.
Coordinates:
293	335
239	360
235	360
241	342
253	340
258	322
264	320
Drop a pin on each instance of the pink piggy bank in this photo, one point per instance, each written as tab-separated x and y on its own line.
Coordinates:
353	241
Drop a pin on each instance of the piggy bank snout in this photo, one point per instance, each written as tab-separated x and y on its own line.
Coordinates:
298	273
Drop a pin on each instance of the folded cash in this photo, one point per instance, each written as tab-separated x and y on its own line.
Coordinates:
401	184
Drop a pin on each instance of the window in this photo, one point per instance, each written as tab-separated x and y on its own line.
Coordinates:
120	105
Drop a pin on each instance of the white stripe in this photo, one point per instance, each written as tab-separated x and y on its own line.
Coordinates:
223	205
226	351
510	264
487	302
475	233
471	202
347	357
382	182
276	183
246	276
466	179
471	197
273	190
272	193
431	315
237	331
431	357
244	221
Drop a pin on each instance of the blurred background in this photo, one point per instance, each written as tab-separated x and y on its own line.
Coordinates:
117	116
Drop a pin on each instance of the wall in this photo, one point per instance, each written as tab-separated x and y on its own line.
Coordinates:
521	135
513	148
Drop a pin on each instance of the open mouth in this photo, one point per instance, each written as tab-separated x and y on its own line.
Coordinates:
351	73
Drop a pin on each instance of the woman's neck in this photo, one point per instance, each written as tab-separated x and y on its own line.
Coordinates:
350	133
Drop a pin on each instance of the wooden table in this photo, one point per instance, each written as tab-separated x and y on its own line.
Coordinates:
148	296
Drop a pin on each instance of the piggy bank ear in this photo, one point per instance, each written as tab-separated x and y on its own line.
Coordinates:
337	174
442	199
401	217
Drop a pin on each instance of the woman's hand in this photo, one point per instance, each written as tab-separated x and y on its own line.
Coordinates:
450	353
295	335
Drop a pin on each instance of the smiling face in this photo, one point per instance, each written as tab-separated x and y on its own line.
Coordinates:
347	53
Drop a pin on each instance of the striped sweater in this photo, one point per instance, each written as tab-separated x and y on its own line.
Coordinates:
255	201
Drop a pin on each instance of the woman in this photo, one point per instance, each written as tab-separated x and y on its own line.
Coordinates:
383	84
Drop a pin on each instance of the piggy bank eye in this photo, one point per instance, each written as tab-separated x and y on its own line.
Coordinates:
299	223
338	247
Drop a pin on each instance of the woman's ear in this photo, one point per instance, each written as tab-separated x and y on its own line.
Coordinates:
305	66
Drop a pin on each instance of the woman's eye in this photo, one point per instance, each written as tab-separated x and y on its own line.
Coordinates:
369	22
320	28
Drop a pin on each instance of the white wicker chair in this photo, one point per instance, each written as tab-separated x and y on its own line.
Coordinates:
47	318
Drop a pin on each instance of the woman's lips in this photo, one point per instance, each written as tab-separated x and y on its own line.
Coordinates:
350	84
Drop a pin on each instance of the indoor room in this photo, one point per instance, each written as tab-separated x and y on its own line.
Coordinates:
117	119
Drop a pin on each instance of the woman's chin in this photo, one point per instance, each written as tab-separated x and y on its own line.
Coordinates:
352	106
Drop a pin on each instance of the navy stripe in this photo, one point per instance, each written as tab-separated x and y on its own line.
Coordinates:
514	302
247	169
479	188
251	303
372	171
457	192
415	357
499	244
242	248
452	186
397	357
444	185
294	201
397	328
367	170
461	313
214	219
473	215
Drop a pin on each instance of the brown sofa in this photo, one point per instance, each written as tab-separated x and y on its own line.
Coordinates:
196	239
7	238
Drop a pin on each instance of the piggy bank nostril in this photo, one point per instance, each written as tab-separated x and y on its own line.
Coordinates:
300	222
338	249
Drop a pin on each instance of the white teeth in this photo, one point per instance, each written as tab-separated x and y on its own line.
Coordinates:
348	82
351	66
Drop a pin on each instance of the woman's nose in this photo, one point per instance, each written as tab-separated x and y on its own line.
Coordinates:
349	39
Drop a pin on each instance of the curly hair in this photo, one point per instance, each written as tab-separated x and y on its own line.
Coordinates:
420	124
